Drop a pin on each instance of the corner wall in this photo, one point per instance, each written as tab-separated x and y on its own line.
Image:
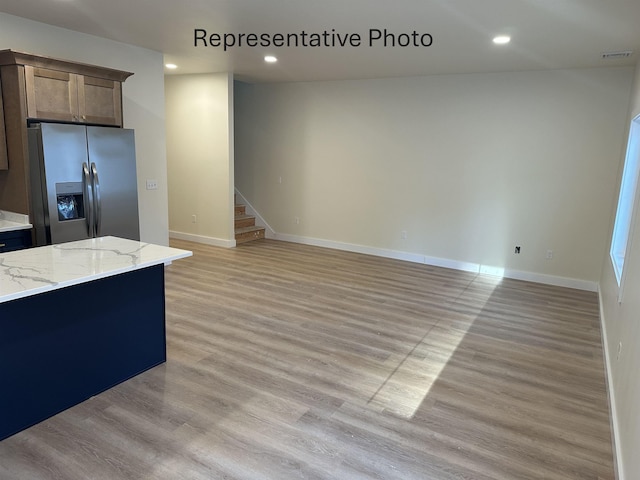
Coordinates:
621	322
200	157
143	102
465	167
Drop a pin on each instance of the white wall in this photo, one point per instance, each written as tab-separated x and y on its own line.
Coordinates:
200	157
622	324
143	102
468	165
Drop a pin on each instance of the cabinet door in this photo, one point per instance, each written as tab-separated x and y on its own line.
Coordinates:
4	159
51	94
99	101
16	240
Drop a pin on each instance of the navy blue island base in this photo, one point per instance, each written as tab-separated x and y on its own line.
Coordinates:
62	347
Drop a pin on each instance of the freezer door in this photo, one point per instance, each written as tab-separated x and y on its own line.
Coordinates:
113	167
61	155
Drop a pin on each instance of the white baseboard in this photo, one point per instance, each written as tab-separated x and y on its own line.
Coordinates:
190	237
619	472
349	247
552	280
443	262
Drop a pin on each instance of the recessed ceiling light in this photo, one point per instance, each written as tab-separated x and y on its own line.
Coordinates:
171	66
270	59
501	39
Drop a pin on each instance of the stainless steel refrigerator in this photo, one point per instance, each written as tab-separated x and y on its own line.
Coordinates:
83	182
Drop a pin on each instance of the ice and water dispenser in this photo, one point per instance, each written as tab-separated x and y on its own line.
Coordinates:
70	199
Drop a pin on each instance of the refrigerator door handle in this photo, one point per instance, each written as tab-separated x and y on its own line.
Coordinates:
88	198
96	193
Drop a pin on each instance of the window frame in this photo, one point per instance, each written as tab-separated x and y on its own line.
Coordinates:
624	225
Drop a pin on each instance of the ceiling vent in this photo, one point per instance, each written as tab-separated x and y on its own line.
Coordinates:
617	55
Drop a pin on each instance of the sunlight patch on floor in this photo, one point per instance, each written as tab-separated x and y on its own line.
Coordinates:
409	384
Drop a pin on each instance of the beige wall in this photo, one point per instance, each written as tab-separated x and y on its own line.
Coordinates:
143	102
200	157
467	165
622	325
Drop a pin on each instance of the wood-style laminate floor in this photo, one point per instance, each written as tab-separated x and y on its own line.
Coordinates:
294	362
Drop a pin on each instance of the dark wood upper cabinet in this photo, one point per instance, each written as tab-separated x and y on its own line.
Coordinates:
59	90
99	100
51	94
69	97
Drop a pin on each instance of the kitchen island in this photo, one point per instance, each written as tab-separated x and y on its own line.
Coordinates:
76	319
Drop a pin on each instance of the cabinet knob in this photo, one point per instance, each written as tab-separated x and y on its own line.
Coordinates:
84	117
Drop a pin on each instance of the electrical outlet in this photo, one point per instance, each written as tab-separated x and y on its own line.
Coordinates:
517	250
403	234
152	184
549	254
296	220
194	219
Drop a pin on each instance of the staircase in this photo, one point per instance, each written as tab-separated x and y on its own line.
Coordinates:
245	226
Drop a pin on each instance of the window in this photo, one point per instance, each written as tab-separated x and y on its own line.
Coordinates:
626	201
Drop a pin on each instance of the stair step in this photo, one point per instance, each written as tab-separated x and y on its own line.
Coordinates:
240	209
243	220
246	234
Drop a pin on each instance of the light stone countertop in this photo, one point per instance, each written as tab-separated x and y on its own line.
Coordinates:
10	222
37	270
